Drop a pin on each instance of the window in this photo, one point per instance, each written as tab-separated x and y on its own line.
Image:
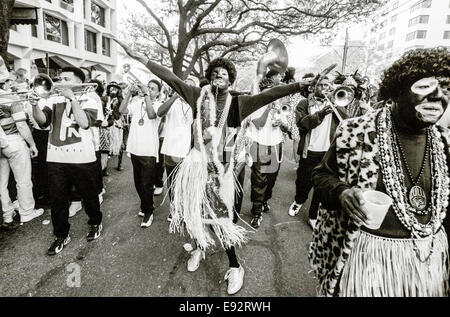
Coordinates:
34	30
393	18
97	14
420	19
90	41
382	35
67	5
421	34
391	31
390	44
446	35
421	4
56	30
381	47
448	19
106	46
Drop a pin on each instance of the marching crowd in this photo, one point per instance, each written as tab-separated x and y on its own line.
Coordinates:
349	135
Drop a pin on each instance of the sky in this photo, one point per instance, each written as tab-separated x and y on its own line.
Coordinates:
300	51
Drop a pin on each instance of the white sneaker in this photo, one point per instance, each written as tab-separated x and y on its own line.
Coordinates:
75	207
100	198
34	214
158	191
194	260
235	277
141	214
147	221
312	223
294	209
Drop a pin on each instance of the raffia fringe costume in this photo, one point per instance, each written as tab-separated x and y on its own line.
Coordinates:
203	188
351	262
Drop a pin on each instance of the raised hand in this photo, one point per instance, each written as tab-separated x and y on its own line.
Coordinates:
137	56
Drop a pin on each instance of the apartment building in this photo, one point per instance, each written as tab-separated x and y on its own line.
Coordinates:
68	33
403	25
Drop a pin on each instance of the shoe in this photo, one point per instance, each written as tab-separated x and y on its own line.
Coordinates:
58	245
266	207
9	226
147	221
169	218
194	260
75	207
105	172
294	209
94	232
235	277
34	214
141	214
103	191
158	191
256	221
100	198
312	223
119	168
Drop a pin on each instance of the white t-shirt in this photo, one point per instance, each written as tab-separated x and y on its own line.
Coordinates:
267	135
320	135
177	130
67	142
143	140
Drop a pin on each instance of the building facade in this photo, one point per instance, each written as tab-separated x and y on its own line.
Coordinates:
68	33
403	25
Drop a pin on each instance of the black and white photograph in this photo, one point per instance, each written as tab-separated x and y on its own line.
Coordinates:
218	156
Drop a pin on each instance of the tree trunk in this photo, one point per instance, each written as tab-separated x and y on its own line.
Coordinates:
6	9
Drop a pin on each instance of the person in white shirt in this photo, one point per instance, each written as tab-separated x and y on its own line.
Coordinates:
266	151
143	142
177	133
71	157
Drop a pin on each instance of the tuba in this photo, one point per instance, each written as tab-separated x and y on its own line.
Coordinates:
343	96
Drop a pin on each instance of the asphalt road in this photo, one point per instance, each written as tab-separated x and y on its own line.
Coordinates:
129	261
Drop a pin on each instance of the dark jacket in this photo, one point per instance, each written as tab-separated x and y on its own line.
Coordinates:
306	122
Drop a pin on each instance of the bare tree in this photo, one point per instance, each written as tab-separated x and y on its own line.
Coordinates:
237	29
6	9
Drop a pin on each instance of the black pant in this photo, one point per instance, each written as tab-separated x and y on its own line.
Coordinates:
265	170
144	168
303	183
159	182
39	167
61	176
98	155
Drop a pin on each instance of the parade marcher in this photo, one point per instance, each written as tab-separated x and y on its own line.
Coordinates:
115	98
400	151
317	124
143	142
204	187
16	158
266	151
177	133
71	156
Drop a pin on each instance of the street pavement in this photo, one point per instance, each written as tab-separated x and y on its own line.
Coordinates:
130	261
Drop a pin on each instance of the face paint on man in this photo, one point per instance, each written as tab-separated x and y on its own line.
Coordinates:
220	78
429	96
323	88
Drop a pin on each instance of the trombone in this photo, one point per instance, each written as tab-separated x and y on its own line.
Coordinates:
43	87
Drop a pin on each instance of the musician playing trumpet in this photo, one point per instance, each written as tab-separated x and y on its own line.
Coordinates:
71	156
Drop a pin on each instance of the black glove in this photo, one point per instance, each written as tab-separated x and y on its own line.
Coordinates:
325	111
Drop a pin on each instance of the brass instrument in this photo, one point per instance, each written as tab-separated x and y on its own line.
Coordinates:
343	96
44	87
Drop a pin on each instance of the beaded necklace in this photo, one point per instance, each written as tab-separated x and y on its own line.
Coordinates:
394	181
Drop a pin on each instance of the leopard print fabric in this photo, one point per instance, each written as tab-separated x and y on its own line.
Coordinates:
358	165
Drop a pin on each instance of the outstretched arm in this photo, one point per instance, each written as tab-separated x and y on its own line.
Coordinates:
189	93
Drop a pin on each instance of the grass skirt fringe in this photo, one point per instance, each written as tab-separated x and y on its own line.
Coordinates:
380	266
193	212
